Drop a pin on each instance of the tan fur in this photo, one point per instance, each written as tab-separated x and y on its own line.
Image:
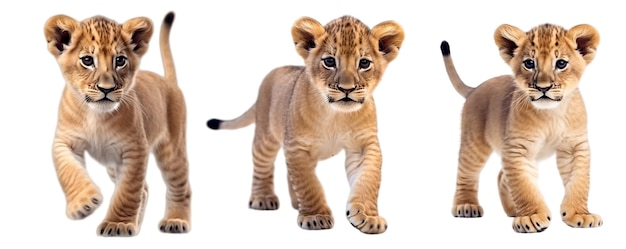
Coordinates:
508	115
301	109
145	113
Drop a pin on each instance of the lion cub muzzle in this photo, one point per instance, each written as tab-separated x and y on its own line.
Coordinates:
544	93
104	96
105	90
346	94
345	100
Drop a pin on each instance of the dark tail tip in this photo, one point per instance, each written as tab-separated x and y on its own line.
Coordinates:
169	18
445	48
214	124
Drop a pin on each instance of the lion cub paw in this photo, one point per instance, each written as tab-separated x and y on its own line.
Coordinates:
263	202
315	222
174	226
83	204
117	229
577	220
535	223
467	211
365	223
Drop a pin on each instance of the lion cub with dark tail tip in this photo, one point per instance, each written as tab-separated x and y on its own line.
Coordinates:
526	117
317	110
119	115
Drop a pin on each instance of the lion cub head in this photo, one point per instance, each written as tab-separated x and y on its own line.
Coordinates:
345	59
548	60
98	57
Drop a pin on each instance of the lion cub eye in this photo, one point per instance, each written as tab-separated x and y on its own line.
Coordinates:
87	61
529	64
365	64
120	61
561	64
329	62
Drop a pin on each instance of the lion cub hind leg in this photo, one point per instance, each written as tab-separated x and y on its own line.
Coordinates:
143	203
292	194
264	154
505	196
473	156
172	161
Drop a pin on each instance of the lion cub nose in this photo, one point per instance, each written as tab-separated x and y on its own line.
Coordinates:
106	90
544	89
346	90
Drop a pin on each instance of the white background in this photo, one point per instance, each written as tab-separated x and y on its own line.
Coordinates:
223	50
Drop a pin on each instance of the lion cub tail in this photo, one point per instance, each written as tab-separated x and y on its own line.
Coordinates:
458	84
166	51
247	118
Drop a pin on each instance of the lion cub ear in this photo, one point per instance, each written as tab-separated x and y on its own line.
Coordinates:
304	33
586	39
59	31
389	36
508	38
139	30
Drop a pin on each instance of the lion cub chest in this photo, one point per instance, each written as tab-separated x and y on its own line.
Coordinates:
335	132
539	141
330	143
103	144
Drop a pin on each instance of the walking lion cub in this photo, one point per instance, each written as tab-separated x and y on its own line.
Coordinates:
317	110
526	117
119	115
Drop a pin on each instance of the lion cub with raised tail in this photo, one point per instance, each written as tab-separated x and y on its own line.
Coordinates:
317	110
526	117
119	115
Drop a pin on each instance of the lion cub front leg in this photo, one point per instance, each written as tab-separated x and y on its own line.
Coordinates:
112	172
125	211
314	213
573	163
82	195
520	173
363	168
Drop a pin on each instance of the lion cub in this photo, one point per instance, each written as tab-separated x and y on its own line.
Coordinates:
317	110
119	115
527	117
